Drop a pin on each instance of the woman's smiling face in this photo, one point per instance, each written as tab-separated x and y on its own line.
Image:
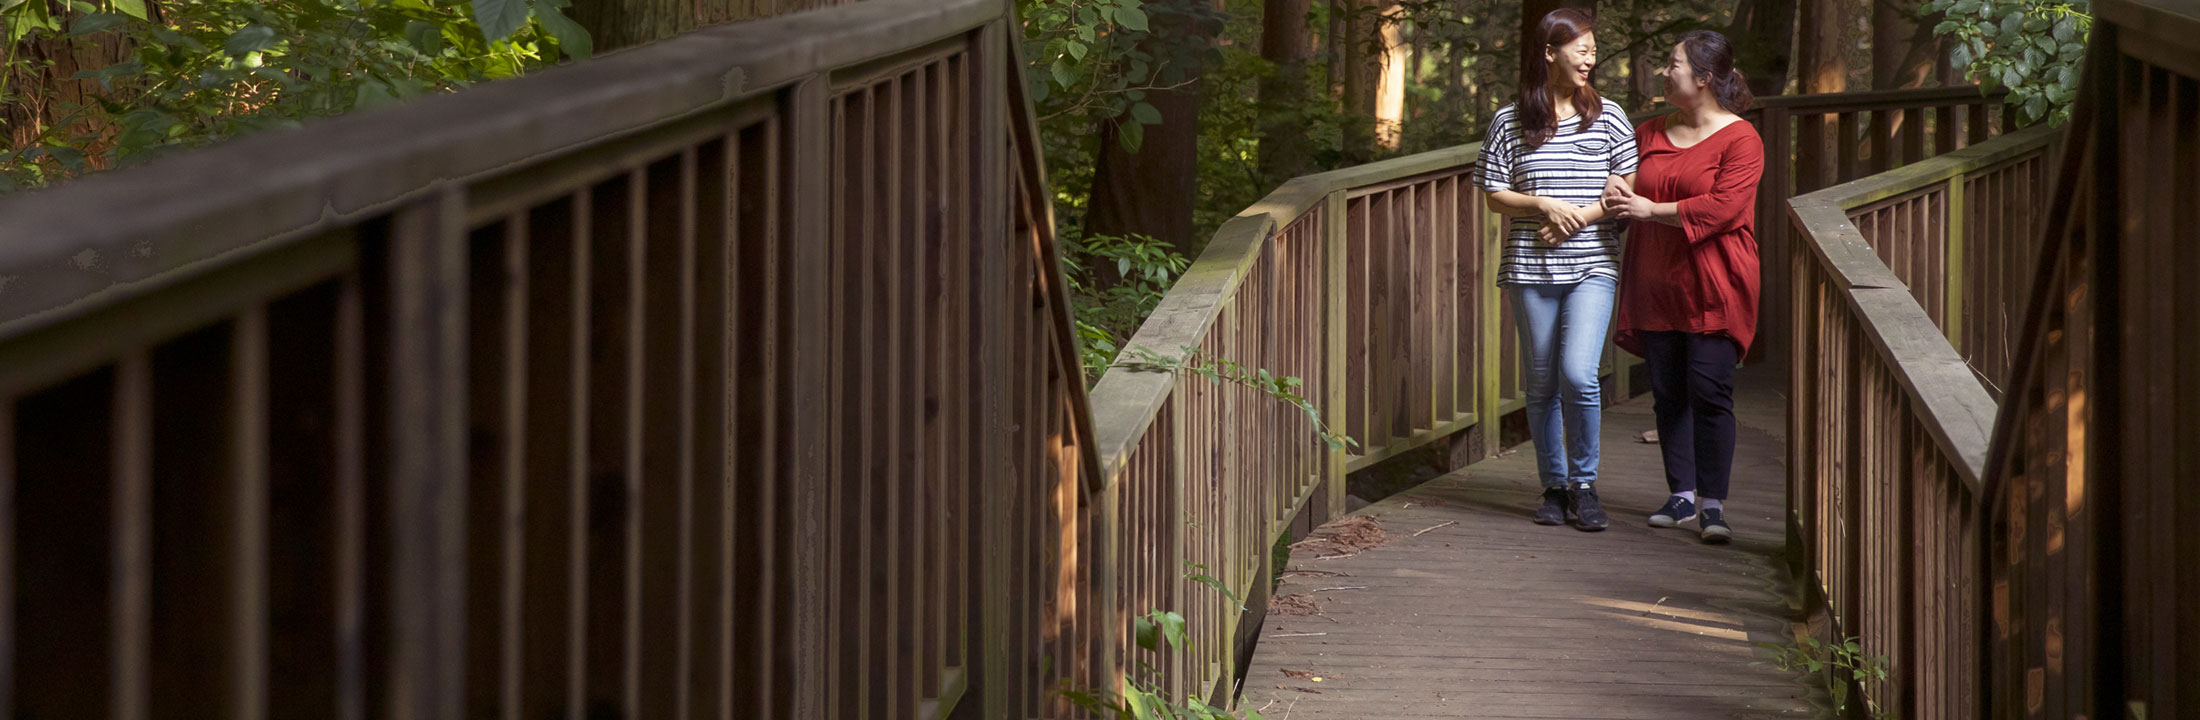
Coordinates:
1680	77
1570	63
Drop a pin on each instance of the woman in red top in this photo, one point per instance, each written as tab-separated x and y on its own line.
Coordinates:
1688	281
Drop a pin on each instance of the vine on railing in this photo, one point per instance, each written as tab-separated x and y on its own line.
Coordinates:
1284	388
1158	631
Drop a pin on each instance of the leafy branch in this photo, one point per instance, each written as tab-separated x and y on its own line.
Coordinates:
1840	664
1285	389
2032	47
1141	696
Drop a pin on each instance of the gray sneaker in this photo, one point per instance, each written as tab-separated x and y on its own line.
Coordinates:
1677	510
1715	529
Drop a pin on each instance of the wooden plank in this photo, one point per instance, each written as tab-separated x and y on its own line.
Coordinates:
556	416
8	572
1337	341
709	336
662	433
128	683
427	430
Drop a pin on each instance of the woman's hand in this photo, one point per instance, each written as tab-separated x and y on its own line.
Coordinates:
1549	234
1616	187
1563	215
1631	207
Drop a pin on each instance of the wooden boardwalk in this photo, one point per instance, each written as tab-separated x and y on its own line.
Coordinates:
1496	617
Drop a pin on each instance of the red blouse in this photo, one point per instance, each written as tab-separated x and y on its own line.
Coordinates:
1700	276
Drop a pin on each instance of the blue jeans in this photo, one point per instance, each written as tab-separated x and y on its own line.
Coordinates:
1562	333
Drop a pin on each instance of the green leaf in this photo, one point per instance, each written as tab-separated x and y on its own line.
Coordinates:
1960	57
1131	18
2066	29
572	38
2012	24
250	39
426	38
1172	627
1144	633
132	8
1065	74
2035	108
1076	50
372	93
1146	114
94	23
499	18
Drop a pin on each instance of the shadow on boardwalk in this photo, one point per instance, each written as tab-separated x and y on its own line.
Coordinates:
1492	616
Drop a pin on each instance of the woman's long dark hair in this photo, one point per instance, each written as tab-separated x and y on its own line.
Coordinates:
1538	116
1712	57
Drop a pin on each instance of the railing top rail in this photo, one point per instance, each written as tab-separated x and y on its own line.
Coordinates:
67	249
1879	99
1956	407
1124	402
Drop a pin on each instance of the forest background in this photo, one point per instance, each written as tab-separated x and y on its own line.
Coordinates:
1160	119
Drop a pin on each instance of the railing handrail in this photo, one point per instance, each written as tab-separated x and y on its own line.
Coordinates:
1877	99
1958	410
1124	402
66	250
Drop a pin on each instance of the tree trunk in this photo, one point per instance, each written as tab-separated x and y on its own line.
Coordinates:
1390	88
1363	45
1152	191
1824	47
1904	52
1333	44
1283	38
1764	37
48	86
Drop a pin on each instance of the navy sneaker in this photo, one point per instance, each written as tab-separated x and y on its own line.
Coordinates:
1588	513
1677	510
1715	529
1553	511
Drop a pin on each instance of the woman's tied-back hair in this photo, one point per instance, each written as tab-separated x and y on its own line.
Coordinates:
1711	55
1538	115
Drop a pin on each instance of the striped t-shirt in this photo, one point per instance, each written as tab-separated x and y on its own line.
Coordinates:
1572	167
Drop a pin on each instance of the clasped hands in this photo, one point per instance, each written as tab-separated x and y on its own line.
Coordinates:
1620	200
1562	219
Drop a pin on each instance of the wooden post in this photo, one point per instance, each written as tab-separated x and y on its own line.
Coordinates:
1489	353
809	276
1953	318
427	435
996	667
1335	351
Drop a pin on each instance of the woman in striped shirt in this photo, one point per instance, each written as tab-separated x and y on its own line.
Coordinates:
1544	165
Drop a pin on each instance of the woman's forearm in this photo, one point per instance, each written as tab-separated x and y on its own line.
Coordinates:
1511	203
1668	213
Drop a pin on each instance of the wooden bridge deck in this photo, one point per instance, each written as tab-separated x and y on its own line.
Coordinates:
1495	617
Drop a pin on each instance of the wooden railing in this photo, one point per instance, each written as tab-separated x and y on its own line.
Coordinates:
1888	422
1375	286
2091	548
728	377
1818	141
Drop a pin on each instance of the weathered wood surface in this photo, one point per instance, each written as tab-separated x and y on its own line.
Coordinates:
1493	616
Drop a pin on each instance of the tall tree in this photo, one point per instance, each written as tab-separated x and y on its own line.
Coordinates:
1824	47
1905	54
1151	189
1363	64
46	86
1390	84
1764	38
1283	43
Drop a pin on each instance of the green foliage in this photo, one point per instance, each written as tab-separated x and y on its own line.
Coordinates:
208	70
1109	312
2032	47
1284	389
1141	696
1840	664
1094	61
